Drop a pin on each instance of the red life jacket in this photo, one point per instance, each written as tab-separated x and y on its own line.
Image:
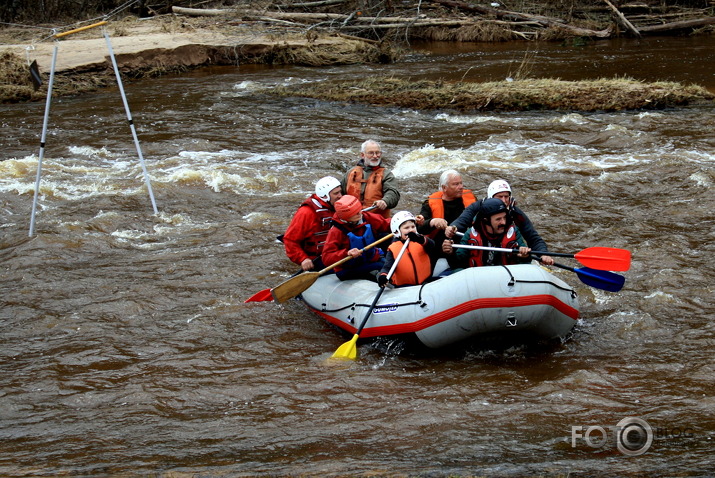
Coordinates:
313	245
478	257
414	266
373	186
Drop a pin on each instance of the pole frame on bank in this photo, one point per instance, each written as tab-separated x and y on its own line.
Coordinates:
45	121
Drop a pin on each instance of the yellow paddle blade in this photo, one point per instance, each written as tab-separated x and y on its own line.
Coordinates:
294	286
347	351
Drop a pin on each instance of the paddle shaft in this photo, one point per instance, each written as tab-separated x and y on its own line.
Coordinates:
602	258
348	350
603	280
382	289
296	285
505	249
344	260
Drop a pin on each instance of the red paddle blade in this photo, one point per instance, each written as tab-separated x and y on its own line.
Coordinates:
262	296
605	258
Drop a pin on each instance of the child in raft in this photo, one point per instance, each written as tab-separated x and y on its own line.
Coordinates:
415	266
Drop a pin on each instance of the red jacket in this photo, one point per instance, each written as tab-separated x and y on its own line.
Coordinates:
308	230
337	244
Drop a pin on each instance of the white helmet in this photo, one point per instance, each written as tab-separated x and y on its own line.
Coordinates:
496	187
324	186
399	219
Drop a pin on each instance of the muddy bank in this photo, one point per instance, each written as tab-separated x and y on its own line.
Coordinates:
167	45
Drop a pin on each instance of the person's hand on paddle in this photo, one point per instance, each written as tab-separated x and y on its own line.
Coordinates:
438	223
547	260
355	252
419	220
382	280
380	204
523	252
414	237
447	246
307	265
450	231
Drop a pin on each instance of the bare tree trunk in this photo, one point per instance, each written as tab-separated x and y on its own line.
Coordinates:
666	27
623	19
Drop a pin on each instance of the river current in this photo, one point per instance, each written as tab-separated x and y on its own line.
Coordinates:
126	347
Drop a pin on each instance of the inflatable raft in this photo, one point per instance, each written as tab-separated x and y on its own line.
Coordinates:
505	302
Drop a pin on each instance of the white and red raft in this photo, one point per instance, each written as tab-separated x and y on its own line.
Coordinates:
508	303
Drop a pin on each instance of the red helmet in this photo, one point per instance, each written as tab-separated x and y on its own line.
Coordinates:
347	206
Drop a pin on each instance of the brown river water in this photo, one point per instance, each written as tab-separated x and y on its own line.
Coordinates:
126	347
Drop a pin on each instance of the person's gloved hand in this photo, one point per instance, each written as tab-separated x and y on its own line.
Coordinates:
414	237
382	280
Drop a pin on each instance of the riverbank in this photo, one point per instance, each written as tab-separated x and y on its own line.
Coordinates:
171	44
166	44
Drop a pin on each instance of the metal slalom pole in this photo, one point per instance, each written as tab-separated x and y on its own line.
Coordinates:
42	140
131	122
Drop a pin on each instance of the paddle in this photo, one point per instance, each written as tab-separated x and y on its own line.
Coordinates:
265	295
602	258
294	286
603	280
348	350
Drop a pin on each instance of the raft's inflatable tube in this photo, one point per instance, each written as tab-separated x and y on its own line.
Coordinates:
506	301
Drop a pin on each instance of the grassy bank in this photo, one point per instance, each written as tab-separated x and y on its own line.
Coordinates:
517	95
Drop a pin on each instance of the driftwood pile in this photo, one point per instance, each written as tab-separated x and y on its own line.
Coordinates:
457	15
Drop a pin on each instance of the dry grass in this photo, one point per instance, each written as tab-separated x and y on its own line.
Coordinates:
518	95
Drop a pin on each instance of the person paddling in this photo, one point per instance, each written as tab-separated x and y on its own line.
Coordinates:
492	227
500	189
305	236
352	230
443	207
415	267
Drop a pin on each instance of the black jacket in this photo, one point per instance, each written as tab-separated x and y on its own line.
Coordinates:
522	221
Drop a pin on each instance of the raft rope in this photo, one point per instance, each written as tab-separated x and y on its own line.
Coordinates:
512	280
355	305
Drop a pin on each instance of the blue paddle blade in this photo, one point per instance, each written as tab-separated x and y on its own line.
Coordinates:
601	279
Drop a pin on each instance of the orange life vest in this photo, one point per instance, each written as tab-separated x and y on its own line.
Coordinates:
373	186
414	266
436	204
508	241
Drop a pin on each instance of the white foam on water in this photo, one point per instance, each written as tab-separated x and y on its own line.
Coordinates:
701	179
90	152
572	118
470	119
504	154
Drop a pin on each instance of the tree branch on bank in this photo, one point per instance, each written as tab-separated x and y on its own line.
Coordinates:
511	21
541	20
623	19
681	25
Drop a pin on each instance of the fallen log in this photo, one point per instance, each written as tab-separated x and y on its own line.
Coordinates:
623	19
681	25
541	20
200	12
